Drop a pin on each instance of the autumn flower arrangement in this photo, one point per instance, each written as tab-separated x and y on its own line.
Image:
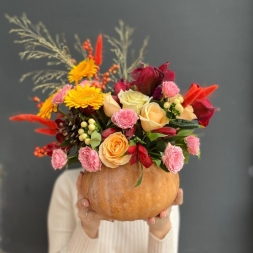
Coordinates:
144	118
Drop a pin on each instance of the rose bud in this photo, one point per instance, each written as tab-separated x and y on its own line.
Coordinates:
109	131
170	131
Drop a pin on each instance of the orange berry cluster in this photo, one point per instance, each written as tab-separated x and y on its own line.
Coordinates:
88	47
105	77
37	100
40	152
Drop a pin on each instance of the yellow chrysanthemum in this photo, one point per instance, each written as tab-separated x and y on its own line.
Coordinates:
47	108
84	97
86	68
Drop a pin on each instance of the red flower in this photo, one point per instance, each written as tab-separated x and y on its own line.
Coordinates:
144	157
132	150
147	79
203	110
130	132
169	75
140	153
121	85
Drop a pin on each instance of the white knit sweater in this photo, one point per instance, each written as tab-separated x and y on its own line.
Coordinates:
66	235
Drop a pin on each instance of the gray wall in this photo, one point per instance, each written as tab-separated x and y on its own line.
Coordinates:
206	42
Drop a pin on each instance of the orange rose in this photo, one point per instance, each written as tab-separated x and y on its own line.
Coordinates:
110	105
112	150
187	113
152	117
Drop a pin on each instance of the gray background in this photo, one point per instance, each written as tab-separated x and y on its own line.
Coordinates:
206	42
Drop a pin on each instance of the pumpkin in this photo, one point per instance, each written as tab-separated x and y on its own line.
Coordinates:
112	191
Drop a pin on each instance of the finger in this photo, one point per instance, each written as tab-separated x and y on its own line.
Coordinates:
82	204
163	214
179	198
90	215
79	186
151	220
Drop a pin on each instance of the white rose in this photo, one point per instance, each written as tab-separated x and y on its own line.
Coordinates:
134	100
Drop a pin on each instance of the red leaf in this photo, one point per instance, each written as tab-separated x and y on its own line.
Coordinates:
191	94
47	131
99	50
34	118
205	92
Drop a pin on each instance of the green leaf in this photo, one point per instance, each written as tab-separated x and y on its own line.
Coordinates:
186	124
183	146
157	161
140	179
154	136
72	159
95	139
65	143
137	139
185	132
160	146
163	167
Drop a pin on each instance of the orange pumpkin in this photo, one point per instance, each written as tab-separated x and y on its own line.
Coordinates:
111	191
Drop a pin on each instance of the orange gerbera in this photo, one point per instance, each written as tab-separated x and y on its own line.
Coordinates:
86	68
47	108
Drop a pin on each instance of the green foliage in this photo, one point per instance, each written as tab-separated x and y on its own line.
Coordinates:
184	124
95	139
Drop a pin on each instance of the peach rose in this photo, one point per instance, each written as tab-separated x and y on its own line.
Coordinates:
110	105
153	117
187	114
134	100
112	150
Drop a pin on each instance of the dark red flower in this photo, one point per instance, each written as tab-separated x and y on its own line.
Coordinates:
157	94
130	132
143	156
203	110
169	75
146	79
87	111
121	85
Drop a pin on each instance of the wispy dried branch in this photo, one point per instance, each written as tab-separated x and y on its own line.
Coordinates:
38	44
121	46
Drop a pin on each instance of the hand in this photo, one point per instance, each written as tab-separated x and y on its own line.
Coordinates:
160	225
90	220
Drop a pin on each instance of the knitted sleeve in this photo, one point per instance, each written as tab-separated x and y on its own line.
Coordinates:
65	235
169	244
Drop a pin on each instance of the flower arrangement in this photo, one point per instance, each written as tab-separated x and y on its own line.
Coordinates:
145	118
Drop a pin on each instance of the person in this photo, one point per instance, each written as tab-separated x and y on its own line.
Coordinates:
73	227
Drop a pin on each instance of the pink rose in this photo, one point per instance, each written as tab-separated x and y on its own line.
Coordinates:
125	118
89	159
173	158
170	89
59	159
58	98
192	143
